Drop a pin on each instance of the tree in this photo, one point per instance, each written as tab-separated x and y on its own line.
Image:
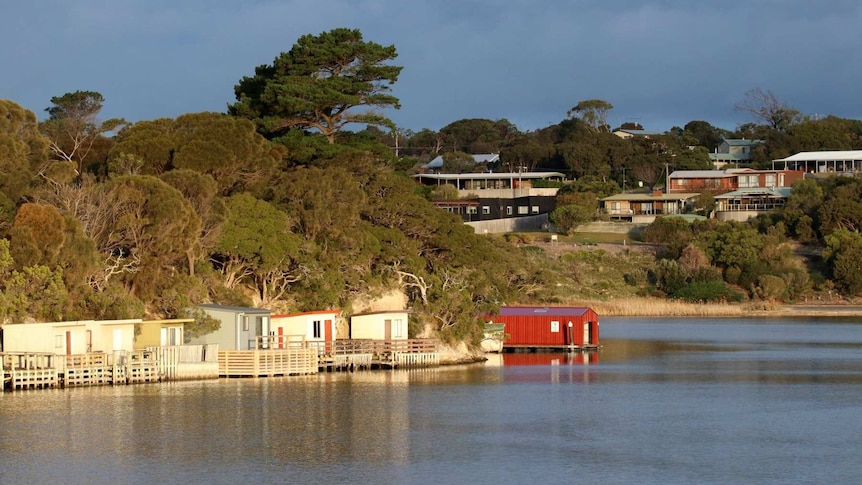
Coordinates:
224	147
841	254
704	134
769	109
73	128
23	149
256	249
594	112
317	84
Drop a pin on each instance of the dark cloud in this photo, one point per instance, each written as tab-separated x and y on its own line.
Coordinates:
660	62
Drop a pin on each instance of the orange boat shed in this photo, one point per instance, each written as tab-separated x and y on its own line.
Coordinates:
562	328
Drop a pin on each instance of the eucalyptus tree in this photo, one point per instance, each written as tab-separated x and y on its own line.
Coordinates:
767	108
593	112
23	150
318	84
73	127
227	148
150	235
256	250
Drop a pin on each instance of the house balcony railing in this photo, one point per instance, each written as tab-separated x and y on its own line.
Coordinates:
640	212
750	207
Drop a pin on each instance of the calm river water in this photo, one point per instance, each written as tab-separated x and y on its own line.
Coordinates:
677	401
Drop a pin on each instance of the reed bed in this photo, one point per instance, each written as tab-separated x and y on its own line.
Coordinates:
648	307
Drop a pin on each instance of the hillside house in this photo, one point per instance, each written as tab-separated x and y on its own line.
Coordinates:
823	162
642	208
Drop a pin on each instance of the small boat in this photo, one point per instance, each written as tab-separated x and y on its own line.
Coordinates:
495	334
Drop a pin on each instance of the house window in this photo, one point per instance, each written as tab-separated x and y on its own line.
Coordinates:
555	326
770	180
397	328
174	336
471	210
534	209
244	323
522	209
747	181
317	327
58	341
486	210
508	210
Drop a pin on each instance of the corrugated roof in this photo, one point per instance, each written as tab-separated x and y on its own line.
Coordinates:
553	311
650	197
824	156
776	192
640	132
698	174
730	156
489	176
229	308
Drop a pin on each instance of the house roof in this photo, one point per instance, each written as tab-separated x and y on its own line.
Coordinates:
774	192
742	142
314	312
235	309
730	156
379	312
651	197
639	132
698	174
489	176
824	156
477	158
554	311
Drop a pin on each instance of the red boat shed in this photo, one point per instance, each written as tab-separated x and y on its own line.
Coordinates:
527	327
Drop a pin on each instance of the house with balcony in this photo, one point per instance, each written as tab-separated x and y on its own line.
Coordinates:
733	152
643	208
721	181
498	196
746	203
823	163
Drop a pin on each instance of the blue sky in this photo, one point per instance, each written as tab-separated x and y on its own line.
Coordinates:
659	62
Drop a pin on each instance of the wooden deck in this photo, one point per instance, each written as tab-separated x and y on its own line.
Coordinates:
267	362
29	370
367	354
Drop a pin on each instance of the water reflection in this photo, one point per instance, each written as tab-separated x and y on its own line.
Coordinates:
664	401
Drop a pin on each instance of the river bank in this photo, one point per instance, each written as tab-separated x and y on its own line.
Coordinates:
648	307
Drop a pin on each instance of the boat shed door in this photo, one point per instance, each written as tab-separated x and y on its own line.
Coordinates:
587	340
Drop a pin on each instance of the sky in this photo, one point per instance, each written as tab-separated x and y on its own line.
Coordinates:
660	63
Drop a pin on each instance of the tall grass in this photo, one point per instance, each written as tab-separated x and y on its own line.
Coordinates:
650	307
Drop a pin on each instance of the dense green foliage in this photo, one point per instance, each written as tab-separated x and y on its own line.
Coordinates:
252	208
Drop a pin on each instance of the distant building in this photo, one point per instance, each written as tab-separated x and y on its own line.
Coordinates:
627	133
823	162
641	208
733	151
721	181
494	196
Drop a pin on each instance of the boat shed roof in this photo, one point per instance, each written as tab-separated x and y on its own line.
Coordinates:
553	311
